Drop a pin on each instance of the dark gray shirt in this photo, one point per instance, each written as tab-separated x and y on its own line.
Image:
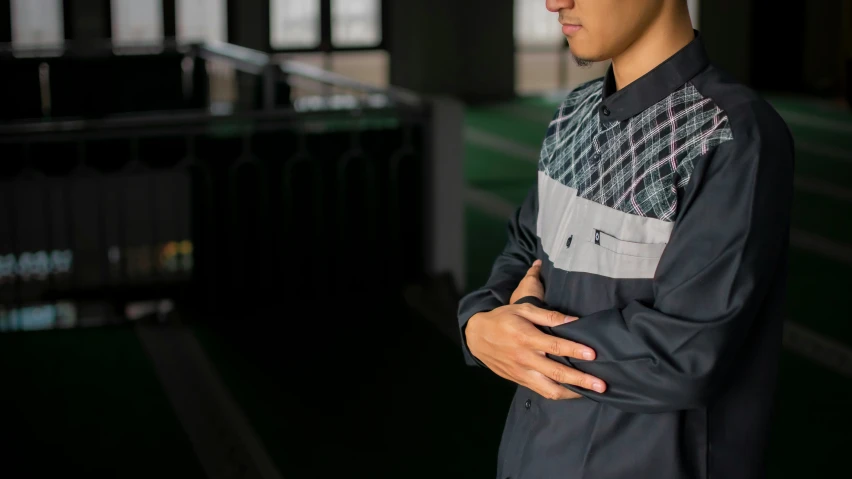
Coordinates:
662	215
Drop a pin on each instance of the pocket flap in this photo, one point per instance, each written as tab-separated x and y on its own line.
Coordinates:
629	248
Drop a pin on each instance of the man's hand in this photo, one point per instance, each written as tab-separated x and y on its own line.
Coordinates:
507	342
530	285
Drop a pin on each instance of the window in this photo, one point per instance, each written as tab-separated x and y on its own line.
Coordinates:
539	52
201	21
356	23
137	22
294	24
694	8
542	61
37	24
207	21
535	26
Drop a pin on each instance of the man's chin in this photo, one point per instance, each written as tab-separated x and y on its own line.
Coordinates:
580	59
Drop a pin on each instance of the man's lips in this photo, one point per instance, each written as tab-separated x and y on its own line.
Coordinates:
570	29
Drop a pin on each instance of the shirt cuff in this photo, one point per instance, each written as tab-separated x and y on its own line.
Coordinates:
533	301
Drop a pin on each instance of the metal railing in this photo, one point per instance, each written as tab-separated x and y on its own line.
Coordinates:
97	214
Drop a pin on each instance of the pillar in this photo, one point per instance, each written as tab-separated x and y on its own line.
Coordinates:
446	47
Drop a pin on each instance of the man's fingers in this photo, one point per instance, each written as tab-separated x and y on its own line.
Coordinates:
564	375
549	388
542	317
560	347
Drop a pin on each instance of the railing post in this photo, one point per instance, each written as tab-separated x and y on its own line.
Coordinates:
444	190
200	82
270	85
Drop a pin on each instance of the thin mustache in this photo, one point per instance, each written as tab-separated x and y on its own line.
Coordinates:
568	22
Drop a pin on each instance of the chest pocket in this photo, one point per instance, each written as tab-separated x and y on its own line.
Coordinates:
604	254
629	248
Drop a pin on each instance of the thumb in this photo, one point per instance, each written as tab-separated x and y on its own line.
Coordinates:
535	269
543	317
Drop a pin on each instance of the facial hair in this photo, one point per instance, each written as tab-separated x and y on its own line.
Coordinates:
582	62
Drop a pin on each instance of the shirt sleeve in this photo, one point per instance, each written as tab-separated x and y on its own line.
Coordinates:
727	247
508	270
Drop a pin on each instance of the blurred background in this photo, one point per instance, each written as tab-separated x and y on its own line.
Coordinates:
233	232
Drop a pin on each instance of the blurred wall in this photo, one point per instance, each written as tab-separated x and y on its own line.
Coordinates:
798	46
823	47
248	23
5	22
87	19
726	28
778	30
489	43
465	49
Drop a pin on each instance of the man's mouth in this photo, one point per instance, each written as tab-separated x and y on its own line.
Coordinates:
570	28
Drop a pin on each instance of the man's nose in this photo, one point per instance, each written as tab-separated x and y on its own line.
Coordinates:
556	5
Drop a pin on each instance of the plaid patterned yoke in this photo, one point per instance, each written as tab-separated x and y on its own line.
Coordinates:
635	166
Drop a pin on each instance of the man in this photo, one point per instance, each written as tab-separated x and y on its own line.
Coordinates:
649	263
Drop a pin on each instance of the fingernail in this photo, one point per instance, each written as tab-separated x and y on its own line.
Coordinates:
568	319
598	386
537	262
587	354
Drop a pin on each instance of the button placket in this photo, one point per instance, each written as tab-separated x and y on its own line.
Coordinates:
526	423
561	243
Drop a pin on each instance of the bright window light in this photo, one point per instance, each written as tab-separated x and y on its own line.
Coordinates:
294	24
356	23
535	26
201	21
137	22
37	24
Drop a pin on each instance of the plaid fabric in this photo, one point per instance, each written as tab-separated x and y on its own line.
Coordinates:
635	166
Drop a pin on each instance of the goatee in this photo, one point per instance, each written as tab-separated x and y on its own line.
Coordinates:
581	62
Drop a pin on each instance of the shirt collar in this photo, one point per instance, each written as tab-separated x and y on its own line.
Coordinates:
653	86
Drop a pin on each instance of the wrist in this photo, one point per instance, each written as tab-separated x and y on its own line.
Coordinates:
467	333
470	327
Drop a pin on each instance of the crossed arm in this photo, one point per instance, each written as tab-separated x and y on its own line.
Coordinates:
507	341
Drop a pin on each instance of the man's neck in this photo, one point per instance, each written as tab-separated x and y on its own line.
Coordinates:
666	36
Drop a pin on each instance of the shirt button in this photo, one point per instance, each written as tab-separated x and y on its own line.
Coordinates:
605	111
528	404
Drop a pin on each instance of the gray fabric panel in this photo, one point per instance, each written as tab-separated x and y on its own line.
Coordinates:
630	245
